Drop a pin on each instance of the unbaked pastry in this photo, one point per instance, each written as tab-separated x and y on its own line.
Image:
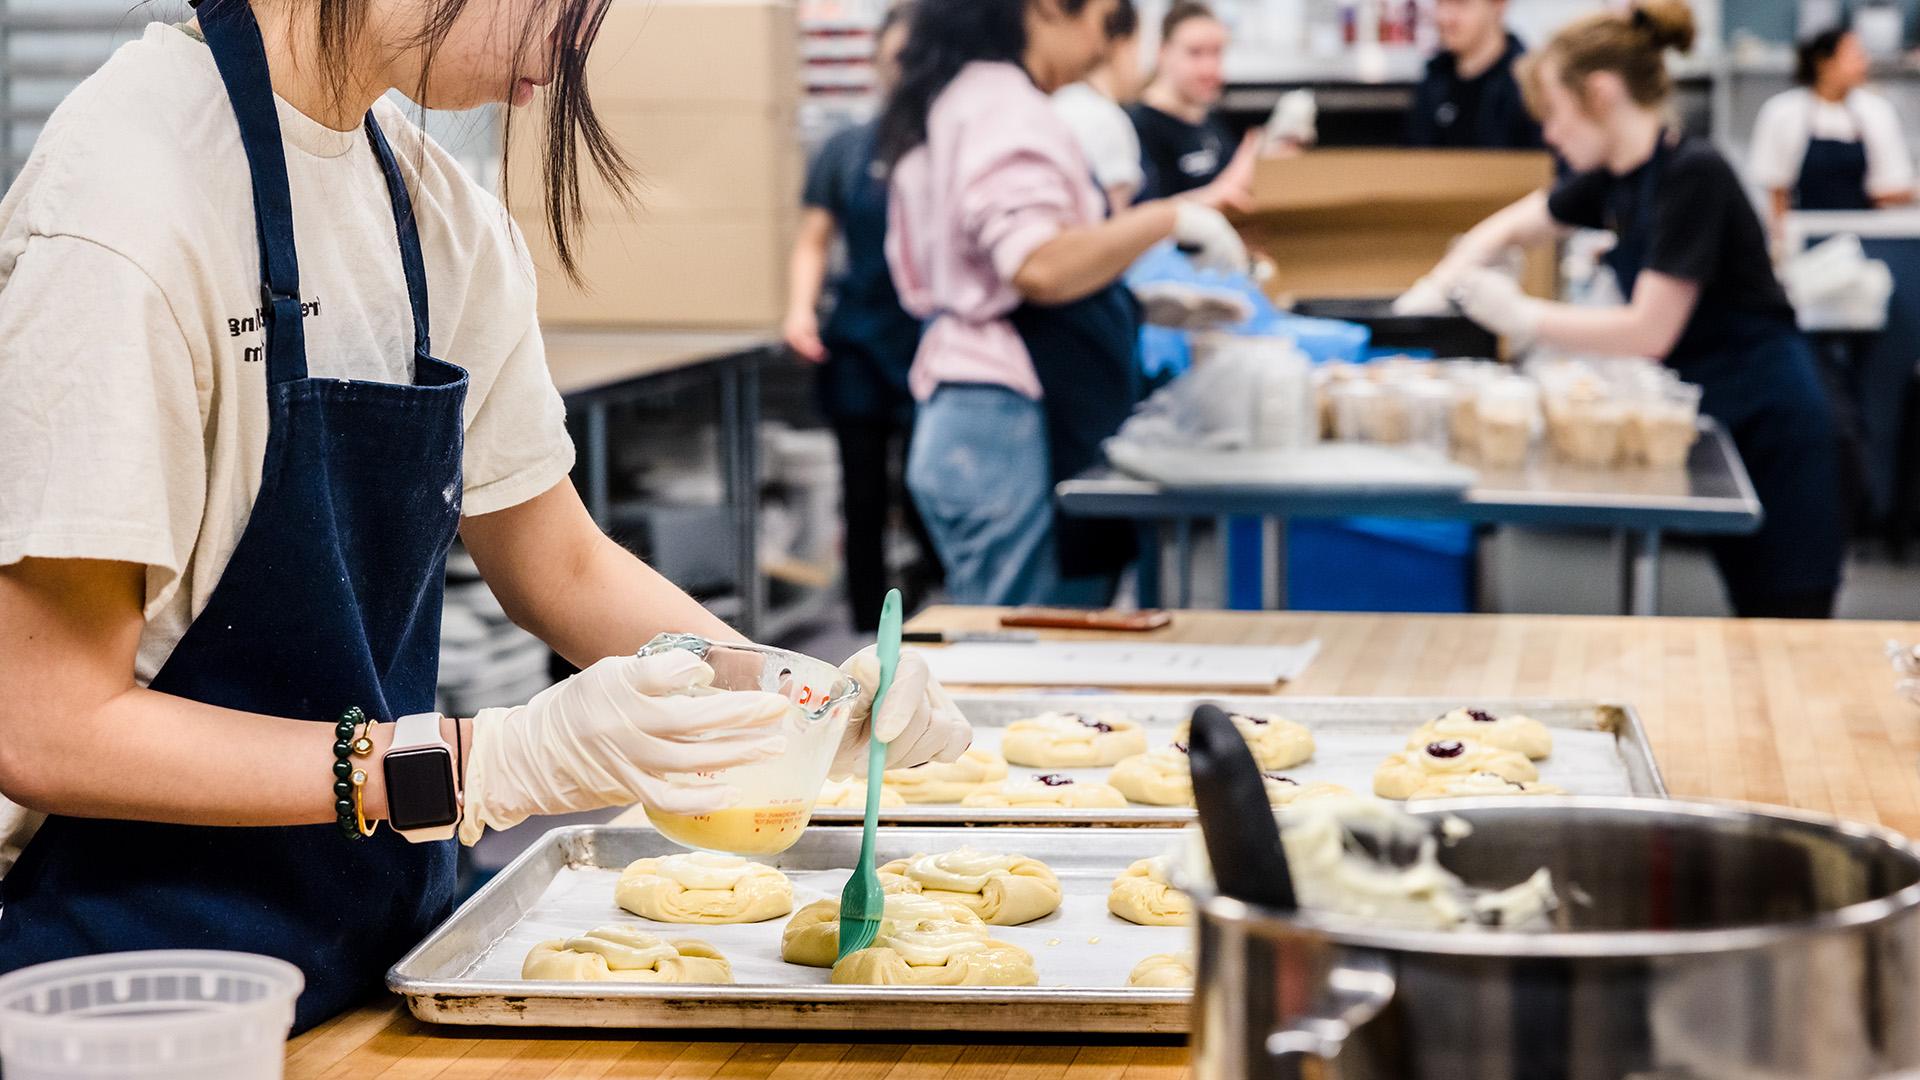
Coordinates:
1410	770
1156	778
1067	740
1143	894
1521	734
1004	890
1285	790
1276	742
625	954
938	953
812	936
1048	790
1481	785
1166	971
852	795
947	781
699	887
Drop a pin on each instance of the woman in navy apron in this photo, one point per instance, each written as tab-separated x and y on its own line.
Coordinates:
1831	144
1692	256
1000	239
234	802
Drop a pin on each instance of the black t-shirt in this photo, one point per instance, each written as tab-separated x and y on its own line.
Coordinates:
1485	112
1703	230
1177	156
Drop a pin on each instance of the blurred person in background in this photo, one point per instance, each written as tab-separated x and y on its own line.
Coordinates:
1095	109
1691	256
1831	144
866	347
1468	98
1185	146
998	236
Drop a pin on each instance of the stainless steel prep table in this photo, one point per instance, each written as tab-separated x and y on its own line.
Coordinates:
1713	495
596	369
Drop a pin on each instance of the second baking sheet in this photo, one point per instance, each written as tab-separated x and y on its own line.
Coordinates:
1599	748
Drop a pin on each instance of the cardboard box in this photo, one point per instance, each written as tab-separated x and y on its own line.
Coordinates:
1370	222
688	158
655	51
660	270
700	95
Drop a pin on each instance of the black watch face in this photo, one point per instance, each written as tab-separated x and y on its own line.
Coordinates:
420	791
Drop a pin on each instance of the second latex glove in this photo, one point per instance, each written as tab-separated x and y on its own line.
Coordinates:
1427	297
1495	301
1208	238
918	721
612	736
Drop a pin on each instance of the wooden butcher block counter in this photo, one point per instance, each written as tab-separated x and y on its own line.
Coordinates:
1800	714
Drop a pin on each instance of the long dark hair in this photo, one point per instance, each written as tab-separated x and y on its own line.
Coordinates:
572	128
946	36
1814	52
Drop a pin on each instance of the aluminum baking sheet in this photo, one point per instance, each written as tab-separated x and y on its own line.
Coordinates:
1598	748
467	971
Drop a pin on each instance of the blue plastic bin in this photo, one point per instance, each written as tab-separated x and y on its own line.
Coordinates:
1380	564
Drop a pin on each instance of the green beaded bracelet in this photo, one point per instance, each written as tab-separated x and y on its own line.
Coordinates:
343	748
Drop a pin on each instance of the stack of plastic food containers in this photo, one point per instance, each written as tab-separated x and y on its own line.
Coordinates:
1619	414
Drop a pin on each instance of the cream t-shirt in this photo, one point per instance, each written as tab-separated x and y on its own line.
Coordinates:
133	417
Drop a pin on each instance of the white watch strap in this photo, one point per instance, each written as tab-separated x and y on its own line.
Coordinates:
412	732
417	730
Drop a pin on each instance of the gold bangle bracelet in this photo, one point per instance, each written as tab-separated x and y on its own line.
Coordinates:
359	804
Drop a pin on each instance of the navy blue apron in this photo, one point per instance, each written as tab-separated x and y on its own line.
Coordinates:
1085	354
1833	175
870	339
331	598
1758	379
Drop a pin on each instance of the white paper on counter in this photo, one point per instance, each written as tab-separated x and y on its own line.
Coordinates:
1121	664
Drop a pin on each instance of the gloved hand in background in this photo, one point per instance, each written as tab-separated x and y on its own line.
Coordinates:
918	721
1208	238
1428	296
611	736
1496	302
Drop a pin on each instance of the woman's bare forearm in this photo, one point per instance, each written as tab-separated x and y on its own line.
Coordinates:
80	738
1080	262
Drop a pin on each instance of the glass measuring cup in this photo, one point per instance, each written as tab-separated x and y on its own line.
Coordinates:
777	795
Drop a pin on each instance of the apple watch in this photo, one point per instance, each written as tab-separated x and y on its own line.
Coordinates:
423	794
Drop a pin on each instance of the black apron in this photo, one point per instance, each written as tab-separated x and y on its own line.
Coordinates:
1086	357
1833	175
332	598
870	339
1759	381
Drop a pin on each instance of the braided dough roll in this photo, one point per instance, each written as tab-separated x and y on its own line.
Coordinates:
1004	890
625	954
703	888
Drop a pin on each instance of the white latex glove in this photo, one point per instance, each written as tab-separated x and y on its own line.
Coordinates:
1427	297
1495	301
1208	238
918	721
610	736
1294	120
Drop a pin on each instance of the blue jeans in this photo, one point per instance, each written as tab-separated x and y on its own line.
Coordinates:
979	473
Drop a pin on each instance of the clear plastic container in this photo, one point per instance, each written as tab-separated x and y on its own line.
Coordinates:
1352	401
1386	418
1504	420
1429	407
174	1015
776	796
1661	432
